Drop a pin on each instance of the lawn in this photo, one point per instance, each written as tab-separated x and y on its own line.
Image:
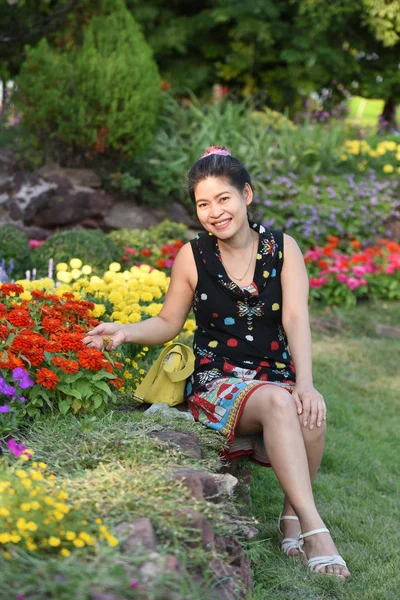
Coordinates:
358	487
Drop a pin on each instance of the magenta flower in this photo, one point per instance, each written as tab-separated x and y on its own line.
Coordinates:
134	583
15	448
5	408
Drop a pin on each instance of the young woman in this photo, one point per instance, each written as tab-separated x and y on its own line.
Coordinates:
253	379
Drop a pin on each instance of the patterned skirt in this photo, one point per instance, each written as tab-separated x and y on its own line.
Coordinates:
220	408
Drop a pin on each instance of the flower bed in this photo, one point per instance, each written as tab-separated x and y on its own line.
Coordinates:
385	157
343	276
43	361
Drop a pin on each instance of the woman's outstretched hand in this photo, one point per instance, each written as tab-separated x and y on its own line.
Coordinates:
310	405
106	336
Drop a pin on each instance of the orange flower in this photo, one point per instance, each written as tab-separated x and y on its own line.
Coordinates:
91	358
11	288
47	378
117	382
20	318
322	264
355	244
328	251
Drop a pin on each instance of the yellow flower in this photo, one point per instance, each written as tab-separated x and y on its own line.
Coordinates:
42	465
26	506
4	512
70	536
115	267
98	520
343	156
36	476
54	541
75	263
146	296
62	495
58	515
134	318
4	485
35	505
62	266
26	296
78	543
15	538
76	273
21	524
112	541
388	169
86	269
65	552
31	526
64	276
31	545
4	538
21	474
86	537
127	375
98	310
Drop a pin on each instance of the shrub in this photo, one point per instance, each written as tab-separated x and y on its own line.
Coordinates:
92	245
164	232
14	247
100	96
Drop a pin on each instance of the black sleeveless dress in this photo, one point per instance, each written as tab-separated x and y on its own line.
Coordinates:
239	341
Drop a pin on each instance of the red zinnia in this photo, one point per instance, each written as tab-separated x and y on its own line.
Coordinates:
47	378
145	252
20	318
91	358
117	382
11	288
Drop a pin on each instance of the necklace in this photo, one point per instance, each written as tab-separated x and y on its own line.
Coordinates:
248	266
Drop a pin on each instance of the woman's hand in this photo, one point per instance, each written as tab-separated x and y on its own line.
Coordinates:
310	404
106	336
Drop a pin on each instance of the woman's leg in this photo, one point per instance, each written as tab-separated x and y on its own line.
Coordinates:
272	410
314	444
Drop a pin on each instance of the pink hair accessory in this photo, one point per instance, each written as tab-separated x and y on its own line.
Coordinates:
216	150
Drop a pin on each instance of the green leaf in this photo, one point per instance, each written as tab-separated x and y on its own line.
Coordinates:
64	406
97	400
31	410
84	388
70	391
76	405
101	385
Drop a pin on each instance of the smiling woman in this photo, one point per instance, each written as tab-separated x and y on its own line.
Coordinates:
252	380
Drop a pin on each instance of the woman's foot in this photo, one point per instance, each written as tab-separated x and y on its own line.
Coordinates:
320	544
289	528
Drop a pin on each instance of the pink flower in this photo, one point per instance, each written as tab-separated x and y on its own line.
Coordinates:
342	278
353	283
35	244
134	583
359	270
131	251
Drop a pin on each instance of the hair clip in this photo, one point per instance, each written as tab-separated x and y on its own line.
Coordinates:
221	150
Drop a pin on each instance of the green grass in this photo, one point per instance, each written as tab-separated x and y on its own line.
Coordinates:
358	487
366	112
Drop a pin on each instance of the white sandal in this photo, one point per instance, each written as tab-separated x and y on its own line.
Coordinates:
288	544
316	563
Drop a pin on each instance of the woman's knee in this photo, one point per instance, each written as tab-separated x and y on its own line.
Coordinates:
280	402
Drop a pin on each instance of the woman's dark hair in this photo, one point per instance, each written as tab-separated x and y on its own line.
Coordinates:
217	162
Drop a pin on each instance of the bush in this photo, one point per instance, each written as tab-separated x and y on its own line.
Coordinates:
164	232
14	248
101	96
187	130
92	246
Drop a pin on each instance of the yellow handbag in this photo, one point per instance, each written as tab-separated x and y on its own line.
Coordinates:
166	379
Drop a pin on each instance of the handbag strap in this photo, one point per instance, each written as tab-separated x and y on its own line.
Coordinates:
188	368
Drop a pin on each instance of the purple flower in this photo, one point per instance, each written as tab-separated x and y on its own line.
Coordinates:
5	408
15	448
6	389
134	583
22	377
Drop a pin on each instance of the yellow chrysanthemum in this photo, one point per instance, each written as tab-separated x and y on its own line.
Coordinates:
388	169
86	269
115	267
62	266
75	263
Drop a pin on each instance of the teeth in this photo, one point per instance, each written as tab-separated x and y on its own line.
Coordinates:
221	223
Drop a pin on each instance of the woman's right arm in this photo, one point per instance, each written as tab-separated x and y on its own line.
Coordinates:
167	324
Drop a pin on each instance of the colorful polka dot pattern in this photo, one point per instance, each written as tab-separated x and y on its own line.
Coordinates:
239	331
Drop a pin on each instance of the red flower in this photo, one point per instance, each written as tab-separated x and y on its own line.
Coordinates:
117	382
161	263
145	252
322	264
47	378
3	332
20	318
10	361
91	358
69	341
51	325
11	288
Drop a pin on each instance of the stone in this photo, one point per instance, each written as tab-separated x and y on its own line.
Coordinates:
227	586
187	441
387	331
126	214
226	482
203	533
210	489
56	210
138	533
77	177
237	558
8	162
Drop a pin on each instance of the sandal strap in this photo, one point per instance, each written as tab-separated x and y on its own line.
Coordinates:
289	544
313	532
319	562
285	518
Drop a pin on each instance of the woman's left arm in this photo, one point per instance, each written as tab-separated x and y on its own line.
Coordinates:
295	321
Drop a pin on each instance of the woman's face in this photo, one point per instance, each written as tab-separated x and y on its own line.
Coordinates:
221	208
